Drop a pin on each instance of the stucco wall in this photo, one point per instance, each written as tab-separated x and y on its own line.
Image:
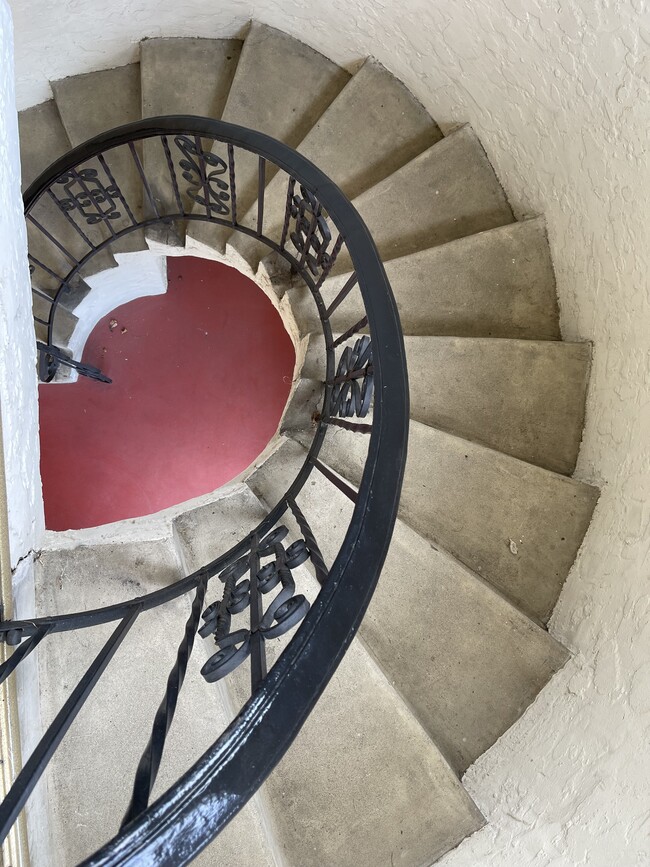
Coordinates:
558	94
18	402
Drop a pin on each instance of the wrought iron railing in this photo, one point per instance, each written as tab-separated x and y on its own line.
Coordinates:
168	172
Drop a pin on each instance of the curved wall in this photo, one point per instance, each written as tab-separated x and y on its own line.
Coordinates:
557	93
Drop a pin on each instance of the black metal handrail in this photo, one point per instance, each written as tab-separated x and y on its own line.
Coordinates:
89	195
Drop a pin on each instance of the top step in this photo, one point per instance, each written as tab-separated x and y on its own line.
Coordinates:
281	88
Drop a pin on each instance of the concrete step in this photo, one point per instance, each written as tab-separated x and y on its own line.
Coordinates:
525	398
464	659
498	283
281	87
518	526
373	127
186	76
447	192
43	139
101	751
94	103
410	804
64	324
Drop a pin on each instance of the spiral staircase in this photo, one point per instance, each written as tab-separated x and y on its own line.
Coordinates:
453	646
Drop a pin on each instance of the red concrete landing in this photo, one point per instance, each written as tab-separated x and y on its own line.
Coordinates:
200	378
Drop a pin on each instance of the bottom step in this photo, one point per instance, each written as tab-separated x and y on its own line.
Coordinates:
363	784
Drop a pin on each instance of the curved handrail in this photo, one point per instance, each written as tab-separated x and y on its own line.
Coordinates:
189	815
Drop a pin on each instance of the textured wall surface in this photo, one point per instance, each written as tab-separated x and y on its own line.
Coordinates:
18	399
557	91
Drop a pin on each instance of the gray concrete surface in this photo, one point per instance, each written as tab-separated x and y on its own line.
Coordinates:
447	192
497	283
94	103
185	76
373	127
464	659
274	72
518	526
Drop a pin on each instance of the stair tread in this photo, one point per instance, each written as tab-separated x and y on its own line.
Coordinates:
516	525
525	398
187	75
106	740
273	63
497	283
43	139
431	620
447	192
414	804
373	127
184	76
93	103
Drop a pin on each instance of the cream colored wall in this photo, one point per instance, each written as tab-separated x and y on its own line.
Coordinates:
557	91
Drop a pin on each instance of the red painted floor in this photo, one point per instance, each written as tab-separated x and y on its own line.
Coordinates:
200	378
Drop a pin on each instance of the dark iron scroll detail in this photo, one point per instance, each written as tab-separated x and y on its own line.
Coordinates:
259	597
352	387
311	235
203	170
285	611
85	193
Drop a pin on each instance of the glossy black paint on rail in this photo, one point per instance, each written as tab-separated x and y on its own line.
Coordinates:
188	816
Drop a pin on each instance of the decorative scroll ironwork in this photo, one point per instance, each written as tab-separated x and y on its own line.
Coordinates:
261	578
352	387
206	187
86	194
285	611
311	236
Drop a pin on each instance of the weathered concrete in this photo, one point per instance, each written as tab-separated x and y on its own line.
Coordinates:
447	192
101	751
95	103
185	76
498	283
463	658
414	808
273	70
518	526
522	397
373	127
42	140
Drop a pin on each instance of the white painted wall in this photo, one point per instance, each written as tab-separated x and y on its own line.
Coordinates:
558	94
18	389
19	409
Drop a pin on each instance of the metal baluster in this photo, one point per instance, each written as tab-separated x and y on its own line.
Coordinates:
51	238
147	771
258	651
336	249
145	184
37	762
172	175
343	294
84	187
261	189
336	481
115	186
314	551
66	214
287	211
233	189
355	328
308	237
204	177
357	427
21	652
